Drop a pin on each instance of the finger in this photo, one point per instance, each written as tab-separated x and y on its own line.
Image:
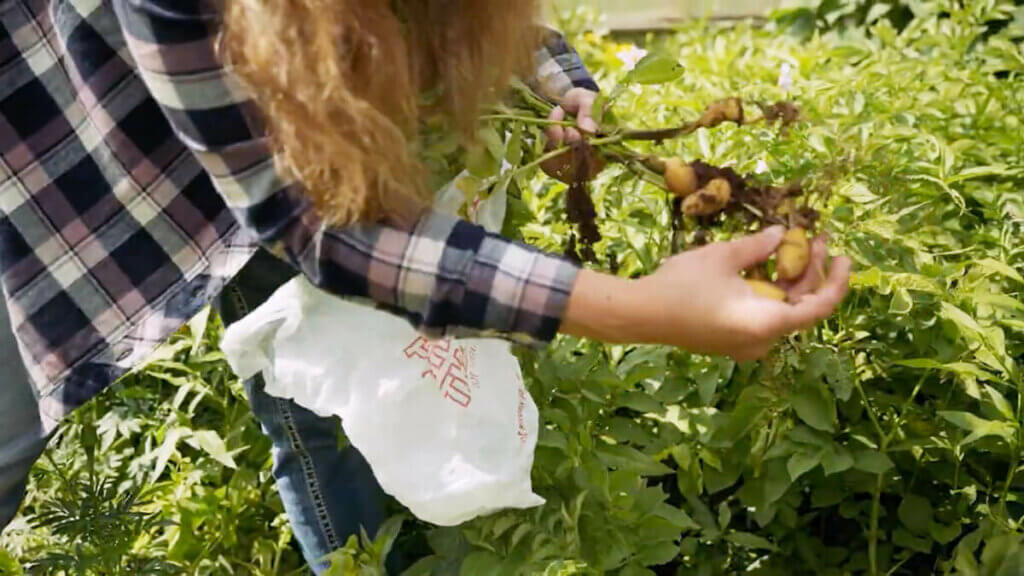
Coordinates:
584	115
814	307
815	274
556	134
754	249
572	135
570	101
752	353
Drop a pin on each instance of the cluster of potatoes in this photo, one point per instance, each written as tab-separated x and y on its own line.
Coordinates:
682	180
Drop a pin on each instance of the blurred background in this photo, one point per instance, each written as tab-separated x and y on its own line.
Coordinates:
648	14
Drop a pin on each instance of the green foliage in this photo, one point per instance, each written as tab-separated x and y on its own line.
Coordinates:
363	556
803	17
886	441
168	473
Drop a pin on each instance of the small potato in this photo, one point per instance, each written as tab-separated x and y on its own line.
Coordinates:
728	110
766	289
733	110
793	255
680	178
712	117
709	200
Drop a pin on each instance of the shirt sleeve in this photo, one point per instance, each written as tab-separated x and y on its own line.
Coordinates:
559	68
446	276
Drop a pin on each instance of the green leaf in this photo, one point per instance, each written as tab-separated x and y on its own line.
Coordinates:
801	463
1000	402
197	327
997	267
652	555
979	427
748	540
168	448
634	570
775	480
958	368
707	383
857	192
969	327
679	518
514	146
553	439
751	406
836	459
210	442
942	533
877	11
816	406
387	534
724	515
871	461
8	565
916	513
424	567
641	402
901	302
489	137
623	457
481	163
480	562
654	69
905	539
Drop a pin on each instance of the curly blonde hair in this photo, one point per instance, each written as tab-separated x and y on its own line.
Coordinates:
339	84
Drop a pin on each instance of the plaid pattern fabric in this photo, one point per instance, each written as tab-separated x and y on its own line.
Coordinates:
135	182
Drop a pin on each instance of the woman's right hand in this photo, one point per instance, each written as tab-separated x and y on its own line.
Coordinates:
698	301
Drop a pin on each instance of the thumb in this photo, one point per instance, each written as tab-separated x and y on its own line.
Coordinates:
746	252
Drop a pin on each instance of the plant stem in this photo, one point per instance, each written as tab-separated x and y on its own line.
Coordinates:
528	120
660	134
903	410
1016	453
876	504
871	412
876	500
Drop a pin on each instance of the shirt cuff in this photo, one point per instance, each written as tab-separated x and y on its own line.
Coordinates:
527	291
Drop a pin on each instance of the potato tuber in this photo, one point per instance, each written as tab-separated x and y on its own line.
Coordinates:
680	178
709	200
793	254
766	289
728	110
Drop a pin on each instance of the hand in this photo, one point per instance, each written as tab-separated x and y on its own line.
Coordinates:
578	102
698	301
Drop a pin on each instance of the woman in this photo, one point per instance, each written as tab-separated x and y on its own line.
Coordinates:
138	179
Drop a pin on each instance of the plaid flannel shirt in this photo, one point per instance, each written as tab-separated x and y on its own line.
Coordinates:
135	181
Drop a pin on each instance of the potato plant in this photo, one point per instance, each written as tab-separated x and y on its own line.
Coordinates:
886	441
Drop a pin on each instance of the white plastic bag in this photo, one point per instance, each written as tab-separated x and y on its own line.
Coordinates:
447	426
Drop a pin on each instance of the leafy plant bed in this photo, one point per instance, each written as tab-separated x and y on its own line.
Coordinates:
886	441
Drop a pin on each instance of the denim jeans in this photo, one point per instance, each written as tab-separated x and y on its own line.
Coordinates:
329	492
22	439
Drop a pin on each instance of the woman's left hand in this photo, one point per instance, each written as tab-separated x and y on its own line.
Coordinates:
578	102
